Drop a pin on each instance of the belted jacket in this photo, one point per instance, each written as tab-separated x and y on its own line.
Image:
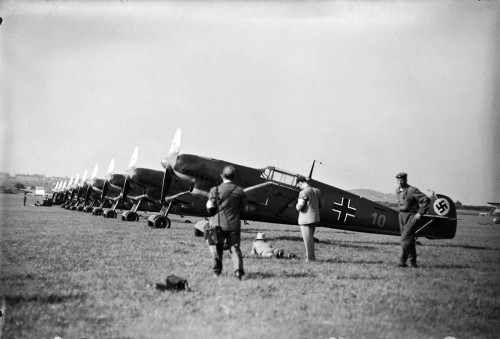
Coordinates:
410	199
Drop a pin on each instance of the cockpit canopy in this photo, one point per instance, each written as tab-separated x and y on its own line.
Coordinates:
280	176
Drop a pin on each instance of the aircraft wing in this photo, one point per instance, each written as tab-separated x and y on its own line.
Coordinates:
273	198
185	197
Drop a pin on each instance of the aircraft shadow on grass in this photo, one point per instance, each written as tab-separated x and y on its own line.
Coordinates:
269	275
347	261
44	299
469	247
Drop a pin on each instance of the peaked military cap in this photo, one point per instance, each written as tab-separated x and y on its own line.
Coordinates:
401	175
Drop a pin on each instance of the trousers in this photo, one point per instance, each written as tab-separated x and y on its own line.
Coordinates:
308	236
408	228
232	239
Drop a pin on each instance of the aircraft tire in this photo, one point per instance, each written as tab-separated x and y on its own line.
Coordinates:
198	233
97	211
132	216
109	214
161	221
136	217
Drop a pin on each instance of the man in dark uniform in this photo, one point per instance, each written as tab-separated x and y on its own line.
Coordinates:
411	205
230	201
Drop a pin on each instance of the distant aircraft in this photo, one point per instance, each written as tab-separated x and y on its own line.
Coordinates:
495	212
69	191
95	199
80	198
77	189
58	196
112	190
273	193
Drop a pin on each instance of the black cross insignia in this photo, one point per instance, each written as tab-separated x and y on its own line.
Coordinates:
344	209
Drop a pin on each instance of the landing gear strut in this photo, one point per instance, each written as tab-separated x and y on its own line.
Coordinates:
161	220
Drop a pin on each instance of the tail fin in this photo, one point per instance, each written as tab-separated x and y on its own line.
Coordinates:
440	220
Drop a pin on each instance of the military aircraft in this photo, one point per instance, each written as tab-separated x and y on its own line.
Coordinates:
75	194
96	192
65	191
81	194
273	192
70	191
57	197
495	212
112	191
147	189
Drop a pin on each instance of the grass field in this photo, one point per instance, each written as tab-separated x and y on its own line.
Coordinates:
74	275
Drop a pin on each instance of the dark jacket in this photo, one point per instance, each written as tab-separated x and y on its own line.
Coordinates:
410	199
231	202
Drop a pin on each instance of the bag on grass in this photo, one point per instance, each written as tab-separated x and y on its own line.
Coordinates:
175	283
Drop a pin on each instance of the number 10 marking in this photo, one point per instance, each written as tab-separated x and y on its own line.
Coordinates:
378	220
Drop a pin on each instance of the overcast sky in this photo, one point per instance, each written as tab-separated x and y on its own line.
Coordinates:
367	88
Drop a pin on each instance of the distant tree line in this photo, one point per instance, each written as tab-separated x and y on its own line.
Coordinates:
458	205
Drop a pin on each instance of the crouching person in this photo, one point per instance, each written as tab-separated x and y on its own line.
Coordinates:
227	201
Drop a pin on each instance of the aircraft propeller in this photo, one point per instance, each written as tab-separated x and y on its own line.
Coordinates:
87	195
89	185
169	162
130	171
125	189
105	187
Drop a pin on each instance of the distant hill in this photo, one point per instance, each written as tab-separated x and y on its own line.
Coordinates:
374	195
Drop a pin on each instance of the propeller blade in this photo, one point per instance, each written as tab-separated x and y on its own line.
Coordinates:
167	179
87	195
133	160
105	187
77	179
94	172
174	150
125	189
83	178
111	167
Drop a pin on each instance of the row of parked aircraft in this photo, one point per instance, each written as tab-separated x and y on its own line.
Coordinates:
183	186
